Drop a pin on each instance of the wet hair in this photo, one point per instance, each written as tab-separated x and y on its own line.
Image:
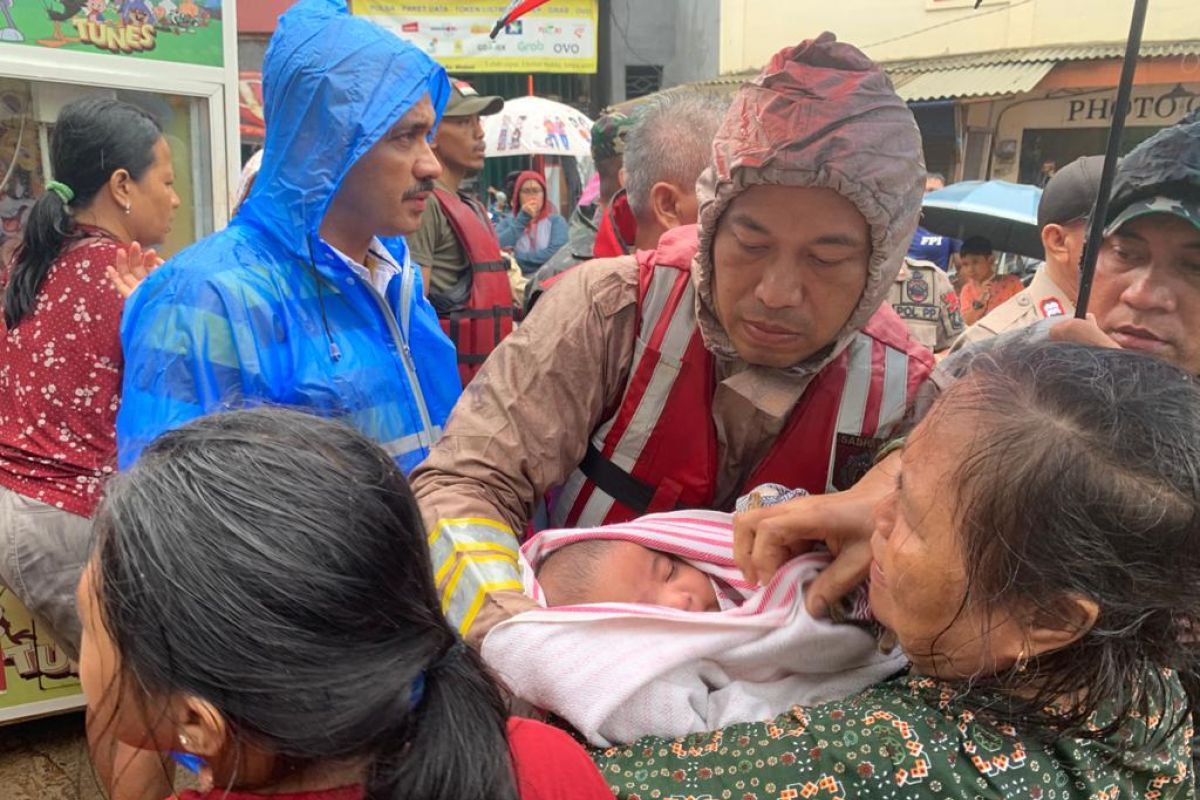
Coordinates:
976	246
575	569
92	139
671	142
1085	482
275	565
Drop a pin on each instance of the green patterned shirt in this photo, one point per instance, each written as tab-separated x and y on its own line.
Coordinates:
906	739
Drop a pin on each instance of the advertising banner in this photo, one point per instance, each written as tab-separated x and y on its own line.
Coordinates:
36	678
182	31
558	37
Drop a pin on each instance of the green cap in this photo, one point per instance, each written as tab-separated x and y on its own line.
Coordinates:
1188	210
465	101
608	135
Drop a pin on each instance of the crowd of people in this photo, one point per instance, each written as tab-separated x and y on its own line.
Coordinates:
718	500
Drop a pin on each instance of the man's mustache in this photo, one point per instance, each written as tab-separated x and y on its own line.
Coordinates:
424	187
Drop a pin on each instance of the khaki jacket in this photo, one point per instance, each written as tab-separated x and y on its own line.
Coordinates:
1041	299
925	299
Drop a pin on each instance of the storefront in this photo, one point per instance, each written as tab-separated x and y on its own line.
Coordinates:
177	60
174	58
1034	136
1018	115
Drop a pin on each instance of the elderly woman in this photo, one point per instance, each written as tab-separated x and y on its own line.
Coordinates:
1039	563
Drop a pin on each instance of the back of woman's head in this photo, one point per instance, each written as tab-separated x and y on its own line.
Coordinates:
274	565
1083	481
93	138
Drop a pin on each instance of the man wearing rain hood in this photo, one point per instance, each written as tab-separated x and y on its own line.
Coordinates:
308	298
754	347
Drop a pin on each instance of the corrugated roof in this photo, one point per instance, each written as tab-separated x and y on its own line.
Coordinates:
990	74
982	81
1056	54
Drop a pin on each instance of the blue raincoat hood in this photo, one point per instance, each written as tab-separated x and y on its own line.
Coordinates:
333	85
267	312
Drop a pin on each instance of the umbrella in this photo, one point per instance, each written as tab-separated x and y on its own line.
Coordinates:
1003	212
516	9
530	126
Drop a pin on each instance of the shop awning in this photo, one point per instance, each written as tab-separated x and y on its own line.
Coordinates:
992	74
980	81
1005	72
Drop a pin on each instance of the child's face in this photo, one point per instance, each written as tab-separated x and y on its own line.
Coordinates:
111	701
975	267
630	573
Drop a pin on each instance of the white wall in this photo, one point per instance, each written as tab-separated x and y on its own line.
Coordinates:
753	30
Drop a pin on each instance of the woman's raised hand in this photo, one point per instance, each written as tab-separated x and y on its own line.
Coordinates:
765	539
131	268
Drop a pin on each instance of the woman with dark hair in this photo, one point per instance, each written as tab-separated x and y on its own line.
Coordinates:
535	231
261	600
60	352
1039	564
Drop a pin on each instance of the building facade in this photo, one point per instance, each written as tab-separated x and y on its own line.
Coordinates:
1012	89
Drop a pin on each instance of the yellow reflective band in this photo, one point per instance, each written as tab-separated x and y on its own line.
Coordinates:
477	604
508	571
493	531
466	549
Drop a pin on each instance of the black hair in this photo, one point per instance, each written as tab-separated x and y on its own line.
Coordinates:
976	246
93	138
275	565
1084	483
576	566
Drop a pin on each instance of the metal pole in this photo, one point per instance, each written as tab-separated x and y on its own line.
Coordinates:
1087	269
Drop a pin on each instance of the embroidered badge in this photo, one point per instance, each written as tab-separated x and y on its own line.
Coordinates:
918	289
1052	307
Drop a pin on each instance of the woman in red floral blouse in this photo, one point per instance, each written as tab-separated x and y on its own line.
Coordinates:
60	352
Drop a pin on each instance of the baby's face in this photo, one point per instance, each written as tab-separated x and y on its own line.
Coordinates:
630	573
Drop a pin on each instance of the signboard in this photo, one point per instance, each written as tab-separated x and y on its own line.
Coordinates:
182	31
36	678
558	37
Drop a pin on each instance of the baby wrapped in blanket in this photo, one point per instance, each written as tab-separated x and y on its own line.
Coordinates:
649	628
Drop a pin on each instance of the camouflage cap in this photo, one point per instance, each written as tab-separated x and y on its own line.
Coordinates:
1188	210
608	135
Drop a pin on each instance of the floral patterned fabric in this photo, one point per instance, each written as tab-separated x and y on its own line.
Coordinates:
60	382
910	738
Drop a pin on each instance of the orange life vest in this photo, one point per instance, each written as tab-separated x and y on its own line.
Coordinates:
487	317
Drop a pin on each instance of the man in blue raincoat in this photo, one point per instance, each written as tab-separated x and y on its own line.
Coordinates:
308	298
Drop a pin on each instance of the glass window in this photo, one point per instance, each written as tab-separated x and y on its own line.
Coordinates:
27	113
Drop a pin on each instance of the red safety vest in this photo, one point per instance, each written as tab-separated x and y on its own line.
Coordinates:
488	315
659	450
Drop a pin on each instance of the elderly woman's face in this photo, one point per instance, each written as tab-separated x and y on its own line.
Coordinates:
918	576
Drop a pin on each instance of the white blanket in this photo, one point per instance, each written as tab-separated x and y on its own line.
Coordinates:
617	672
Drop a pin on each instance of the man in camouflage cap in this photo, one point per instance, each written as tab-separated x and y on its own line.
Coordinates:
1146	292
608	153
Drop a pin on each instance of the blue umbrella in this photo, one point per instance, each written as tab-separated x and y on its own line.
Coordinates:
1005	213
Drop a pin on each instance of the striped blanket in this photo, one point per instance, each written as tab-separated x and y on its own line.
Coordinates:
617	672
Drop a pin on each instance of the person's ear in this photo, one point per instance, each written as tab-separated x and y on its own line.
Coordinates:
621	177
1054	240
120	186
1061	624
200	729
665	205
